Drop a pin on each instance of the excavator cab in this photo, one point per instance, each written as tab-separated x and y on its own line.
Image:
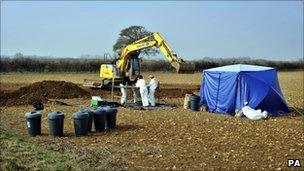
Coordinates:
134	65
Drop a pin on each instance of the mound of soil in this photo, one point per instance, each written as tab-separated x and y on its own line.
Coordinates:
42	91
176	91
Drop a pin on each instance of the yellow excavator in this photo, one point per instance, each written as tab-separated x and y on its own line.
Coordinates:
128	61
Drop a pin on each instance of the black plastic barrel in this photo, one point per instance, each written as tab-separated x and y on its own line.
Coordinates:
81	120
100	119
90	121
194	102
56	121
33	123
111	113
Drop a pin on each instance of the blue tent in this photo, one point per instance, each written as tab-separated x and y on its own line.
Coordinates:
225	89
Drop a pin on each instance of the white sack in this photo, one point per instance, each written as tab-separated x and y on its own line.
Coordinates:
254	114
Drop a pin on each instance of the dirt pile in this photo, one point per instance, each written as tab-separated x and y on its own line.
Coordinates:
42	91
164	91
176	91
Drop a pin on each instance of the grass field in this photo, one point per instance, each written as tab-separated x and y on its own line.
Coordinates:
160	139
168	78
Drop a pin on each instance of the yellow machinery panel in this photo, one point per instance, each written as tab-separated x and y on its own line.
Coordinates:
109	71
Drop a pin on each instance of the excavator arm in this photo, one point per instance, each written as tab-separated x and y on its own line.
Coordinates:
178	63
149	41
123	62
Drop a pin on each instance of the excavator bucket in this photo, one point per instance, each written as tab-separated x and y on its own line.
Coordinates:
184	67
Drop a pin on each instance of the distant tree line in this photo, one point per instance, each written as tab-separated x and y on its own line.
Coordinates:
20	63
279	65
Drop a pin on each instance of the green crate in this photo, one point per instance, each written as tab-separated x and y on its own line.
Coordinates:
95	103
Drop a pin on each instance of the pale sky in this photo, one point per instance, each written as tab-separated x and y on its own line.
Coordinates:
270	30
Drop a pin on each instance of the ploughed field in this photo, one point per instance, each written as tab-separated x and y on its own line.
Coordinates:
145	139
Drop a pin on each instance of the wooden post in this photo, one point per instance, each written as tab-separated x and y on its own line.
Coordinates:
112	89
126	93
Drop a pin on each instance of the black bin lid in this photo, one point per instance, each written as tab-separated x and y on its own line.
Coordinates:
89	111
81	115
110	110
34	114
100	111
56	115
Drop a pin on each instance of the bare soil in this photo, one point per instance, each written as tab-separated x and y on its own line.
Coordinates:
42	91
160	139
16	94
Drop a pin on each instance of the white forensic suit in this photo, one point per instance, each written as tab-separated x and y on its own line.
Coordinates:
123	91
125	81
152	88
141	83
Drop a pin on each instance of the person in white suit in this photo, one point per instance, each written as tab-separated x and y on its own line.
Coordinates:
141	84
153	84
126	81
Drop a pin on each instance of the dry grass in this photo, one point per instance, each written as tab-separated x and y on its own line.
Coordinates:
27	78
292	84
168	139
